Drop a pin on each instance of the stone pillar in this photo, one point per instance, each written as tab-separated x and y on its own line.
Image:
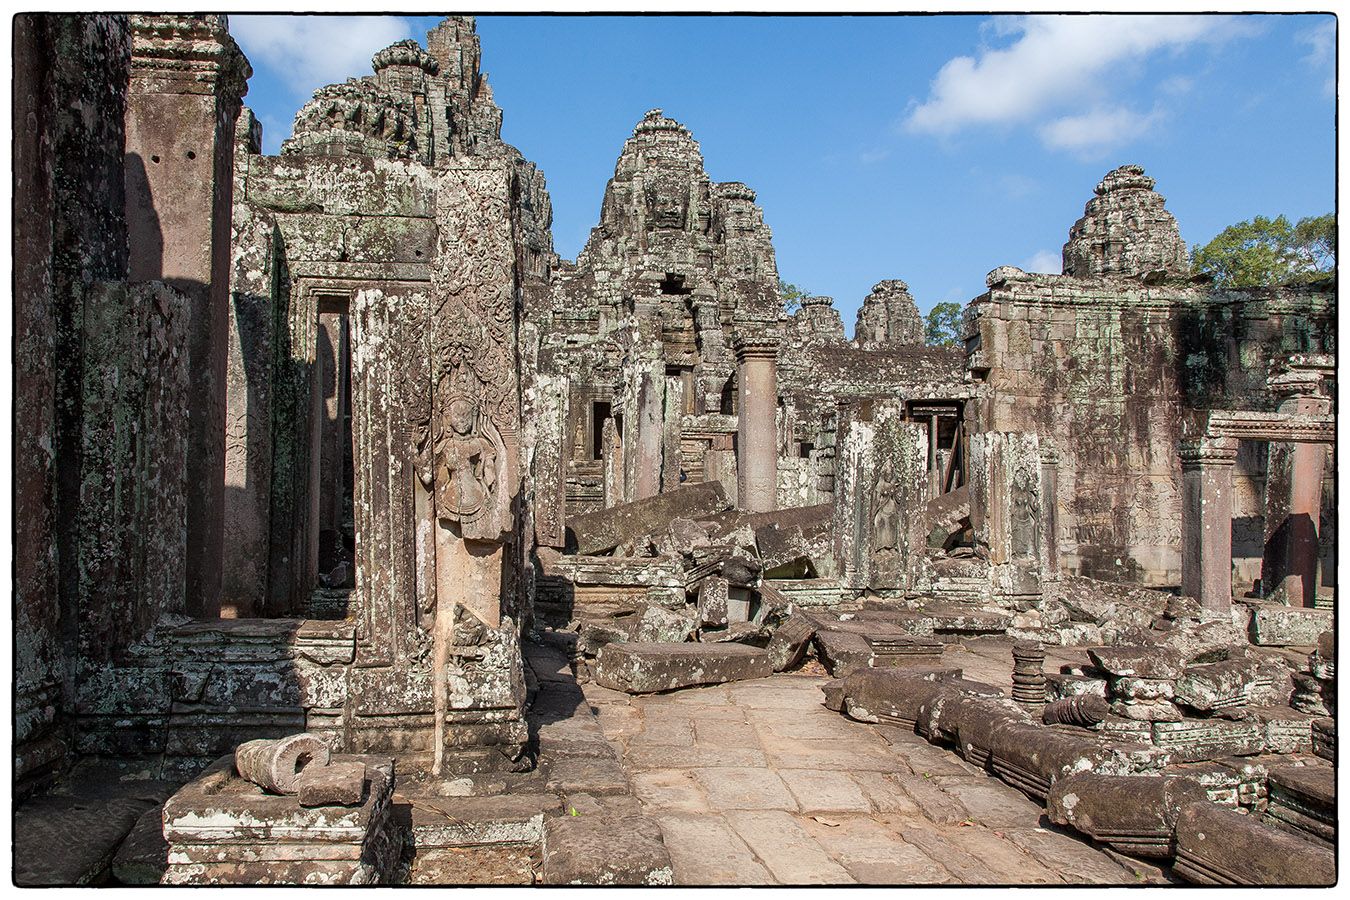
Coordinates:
650	414
612	449
757	434
672	432
1207	521
1293	549
1028	677
1049	513
187	78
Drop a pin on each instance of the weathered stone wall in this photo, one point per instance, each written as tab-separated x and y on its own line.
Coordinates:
70	95
1113	367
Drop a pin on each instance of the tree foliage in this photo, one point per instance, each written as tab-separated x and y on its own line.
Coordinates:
942	325
792	296
1268	252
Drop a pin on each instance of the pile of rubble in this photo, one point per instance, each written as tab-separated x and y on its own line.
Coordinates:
1193	756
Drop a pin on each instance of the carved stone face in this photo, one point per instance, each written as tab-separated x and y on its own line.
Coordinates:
667	204
461	417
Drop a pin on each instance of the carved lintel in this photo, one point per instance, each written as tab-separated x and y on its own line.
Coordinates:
1265	426
1208	451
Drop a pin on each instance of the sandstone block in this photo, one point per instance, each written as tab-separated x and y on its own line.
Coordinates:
605	529
341	783
596	850
1220	846
789	642
1288	626
642	668
275	765
1131	814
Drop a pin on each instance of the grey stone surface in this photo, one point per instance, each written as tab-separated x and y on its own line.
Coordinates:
646	668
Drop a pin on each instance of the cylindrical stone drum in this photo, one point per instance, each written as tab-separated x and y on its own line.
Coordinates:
275	765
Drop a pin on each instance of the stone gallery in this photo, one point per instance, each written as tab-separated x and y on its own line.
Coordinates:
361	539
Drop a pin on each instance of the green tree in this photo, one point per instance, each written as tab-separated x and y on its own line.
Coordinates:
792	296
1268	252
942	325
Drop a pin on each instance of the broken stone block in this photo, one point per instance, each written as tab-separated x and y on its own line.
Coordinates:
1197	739
1313	695
596	850
1135	815
842	652
1220	846
948	517
904	651
788	644
643	668
605	529
1091	601
1222	783
657	624
596	633
1286	730
713	594
1302	801
891	696
1217	687
1059	686
1085	711
1158	663
1288	626
739	606
741	632
1032	757
941	712
143	856
1324	738
275	765
340	783
222	829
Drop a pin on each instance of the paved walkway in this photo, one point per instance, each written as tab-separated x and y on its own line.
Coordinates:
756	782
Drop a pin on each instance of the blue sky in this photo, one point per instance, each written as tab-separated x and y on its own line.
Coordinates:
927	148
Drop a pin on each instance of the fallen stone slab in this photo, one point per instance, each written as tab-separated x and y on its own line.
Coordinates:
644	668
439	823
1285	730
1324	738
1217	686
1196	739
605	529
947	515
1219	846
1273	625
1302	801
842	652
596	850
788	644
887	696
1135	815
1164	663
144	855
1102	603
45	854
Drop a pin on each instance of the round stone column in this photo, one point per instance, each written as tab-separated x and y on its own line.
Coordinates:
757	424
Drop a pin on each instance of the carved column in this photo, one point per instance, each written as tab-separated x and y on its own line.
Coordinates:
1207	520
1049	513
647	449
187	78
757	428
1294	547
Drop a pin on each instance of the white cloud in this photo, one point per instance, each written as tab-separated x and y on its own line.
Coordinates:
309	52
1097	131
1056	64
1321	41
1048	262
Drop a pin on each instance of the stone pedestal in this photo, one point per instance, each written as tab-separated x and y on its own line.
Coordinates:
757	435
1207	520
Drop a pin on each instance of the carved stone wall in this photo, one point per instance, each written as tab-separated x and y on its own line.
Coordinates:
1115	366
888	317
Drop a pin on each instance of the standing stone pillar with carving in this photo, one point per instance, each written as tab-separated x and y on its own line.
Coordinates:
1008	510
468	450
1293	546
1207	521
187	78
757	424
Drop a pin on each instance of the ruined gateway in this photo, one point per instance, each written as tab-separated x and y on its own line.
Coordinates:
331	447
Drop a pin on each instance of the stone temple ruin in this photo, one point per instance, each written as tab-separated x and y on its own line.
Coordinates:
362	539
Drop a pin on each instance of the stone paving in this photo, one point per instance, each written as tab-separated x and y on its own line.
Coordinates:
756	782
